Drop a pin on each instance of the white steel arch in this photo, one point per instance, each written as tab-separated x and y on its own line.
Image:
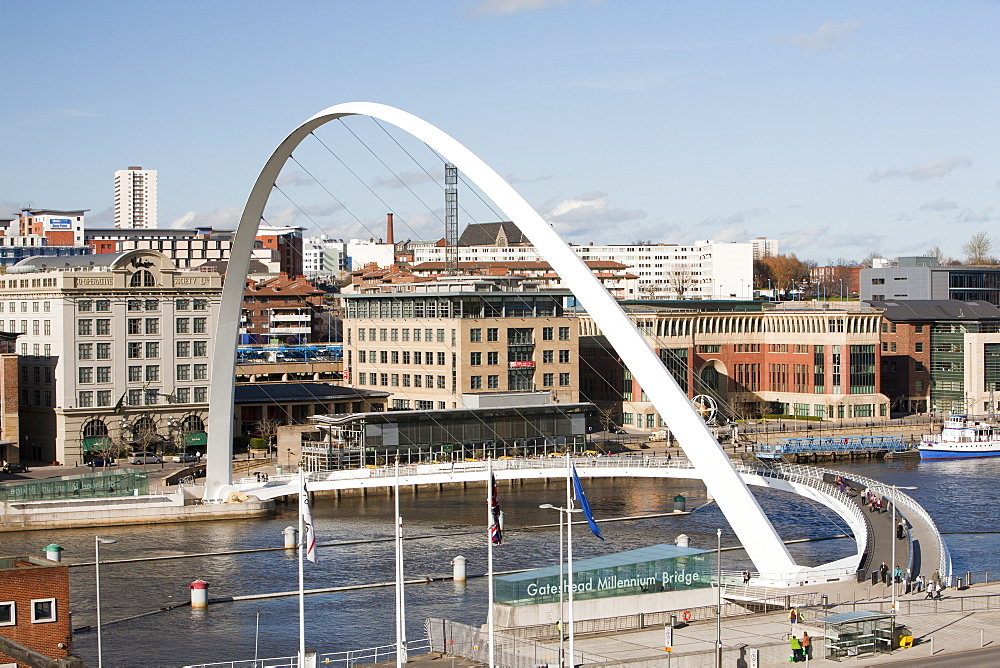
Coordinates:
761	541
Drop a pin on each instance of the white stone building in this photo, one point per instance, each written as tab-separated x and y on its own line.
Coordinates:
115	349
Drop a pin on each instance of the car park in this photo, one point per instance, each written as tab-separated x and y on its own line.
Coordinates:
144	458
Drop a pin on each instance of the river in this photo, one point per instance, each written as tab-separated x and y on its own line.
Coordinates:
960	495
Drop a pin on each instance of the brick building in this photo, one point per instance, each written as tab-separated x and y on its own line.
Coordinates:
808	363
34	607
281	310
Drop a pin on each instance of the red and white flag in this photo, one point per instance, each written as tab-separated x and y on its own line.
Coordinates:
496	526
309	533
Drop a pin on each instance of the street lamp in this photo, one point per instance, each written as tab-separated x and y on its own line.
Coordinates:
98	541
562	511
894	539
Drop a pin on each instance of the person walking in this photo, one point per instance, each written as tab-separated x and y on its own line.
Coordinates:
883	571
796	649
806	643
793	616
746	578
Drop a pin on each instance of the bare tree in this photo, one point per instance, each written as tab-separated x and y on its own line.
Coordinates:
977	249
935	251
869	259
680	282
267	427
648	290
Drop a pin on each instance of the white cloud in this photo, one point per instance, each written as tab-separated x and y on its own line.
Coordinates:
800	239
225	218
407	178
294	179
969	216
940	204
924	172
511	178
824	39
590	208
731	235
508	7
735	218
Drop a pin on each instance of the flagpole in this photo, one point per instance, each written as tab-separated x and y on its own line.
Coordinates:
400	615
569	552
302	596
489	559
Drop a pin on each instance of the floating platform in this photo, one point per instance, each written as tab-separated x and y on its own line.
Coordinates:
796	450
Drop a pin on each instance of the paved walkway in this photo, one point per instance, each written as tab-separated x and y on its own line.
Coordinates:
952	629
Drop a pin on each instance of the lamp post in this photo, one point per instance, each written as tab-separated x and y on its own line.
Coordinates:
894	539
841	289
718	602
98	541
256	639
562	584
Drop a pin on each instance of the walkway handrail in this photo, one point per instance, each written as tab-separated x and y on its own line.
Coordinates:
899	498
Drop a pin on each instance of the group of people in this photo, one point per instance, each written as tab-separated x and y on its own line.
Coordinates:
260	475
914	585
801	647
875	503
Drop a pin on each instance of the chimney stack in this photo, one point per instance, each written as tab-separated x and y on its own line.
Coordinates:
389	236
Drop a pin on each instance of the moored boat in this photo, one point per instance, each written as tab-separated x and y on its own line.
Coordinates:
962	437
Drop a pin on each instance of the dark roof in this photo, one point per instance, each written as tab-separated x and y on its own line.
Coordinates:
288	392
492	234
936	309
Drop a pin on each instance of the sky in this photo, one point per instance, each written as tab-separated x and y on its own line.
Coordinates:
838	128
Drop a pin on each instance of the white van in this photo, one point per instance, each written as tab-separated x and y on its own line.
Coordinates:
144	458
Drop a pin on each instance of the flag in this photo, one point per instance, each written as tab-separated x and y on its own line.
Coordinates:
121	402
496	530
309	537
578	495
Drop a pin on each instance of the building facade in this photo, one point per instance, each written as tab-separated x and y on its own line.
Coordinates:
281	310
431	343
818	363
114	352
135	198
921	278
34	608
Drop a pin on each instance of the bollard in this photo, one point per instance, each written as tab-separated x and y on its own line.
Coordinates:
291	535
199	593
959	584
458	569
683	540
826	601
53	552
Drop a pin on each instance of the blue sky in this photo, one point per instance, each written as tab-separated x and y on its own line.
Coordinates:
838	128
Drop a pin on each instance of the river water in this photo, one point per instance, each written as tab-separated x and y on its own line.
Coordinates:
960	495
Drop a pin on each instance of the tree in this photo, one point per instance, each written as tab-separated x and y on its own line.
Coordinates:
267	427
977	249
787	271
869	259
680	281
935	251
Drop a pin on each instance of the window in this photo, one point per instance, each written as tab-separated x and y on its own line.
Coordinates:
406	380
476	382
179	304
102	305
548	379
547	333
493	334
429	381
918	347
134	326
135	374
383	356
136	305
394	334
547	357
85	399
103	351
201	348
476	359
134	397
86	374
83	327
85	351
43	610
361	333
919	329
417	355
493	382
406	356
417	378
103	374
383	334
152	349
440	336
564	357
182	395
152	305
153	373
425	405
440	357
395	380
201	372
183	325
362	356
183	372
84	306
103	398
47	327
142	279
564	333
103	326
183	348
440	382
384	378
564	379
475	335
200	305
395	357
492	358
200	395
134	351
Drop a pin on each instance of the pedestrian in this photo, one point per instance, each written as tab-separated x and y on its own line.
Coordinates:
936	578
897	575
793	616
930	591
884	573
746	578
796	649
938	589
806	643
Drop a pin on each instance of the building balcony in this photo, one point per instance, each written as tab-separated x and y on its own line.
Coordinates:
289	330
291	317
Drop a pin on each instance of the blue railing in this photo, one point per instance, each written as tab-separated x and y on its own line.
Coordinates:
833	444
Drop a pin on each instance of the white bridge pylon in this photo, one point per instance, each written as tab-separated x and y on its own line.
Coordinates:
755	531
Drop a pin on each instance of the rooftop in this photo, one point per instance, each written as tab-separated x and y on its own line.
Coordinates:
936	309
289	392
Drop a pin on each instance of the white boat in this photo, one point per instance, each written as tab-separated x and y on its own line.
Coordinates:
962	437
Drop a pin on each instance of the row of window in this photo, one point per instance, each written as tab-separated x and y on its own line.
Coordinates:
12	307
181	325
148	397
43	610
418	357
404	405
37	327
890	346
151	349
407	380
393	334
136	373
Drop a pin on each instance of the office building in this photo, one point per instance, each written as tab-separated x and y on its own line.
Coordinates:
922	278
135	198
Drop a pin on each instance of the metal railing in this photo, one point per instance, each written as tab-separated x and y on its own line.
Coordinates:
348	659
100	484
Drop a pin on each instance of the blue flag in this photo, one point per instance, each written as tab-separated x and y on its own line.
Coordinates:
578	495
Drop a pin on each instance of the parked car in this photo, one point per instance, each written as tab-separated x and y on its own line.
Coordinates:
14	467
617	430
145	458
186	458
101	462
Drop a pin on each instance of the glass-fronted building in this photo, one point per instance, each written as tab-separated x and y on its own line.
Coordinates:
648	570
